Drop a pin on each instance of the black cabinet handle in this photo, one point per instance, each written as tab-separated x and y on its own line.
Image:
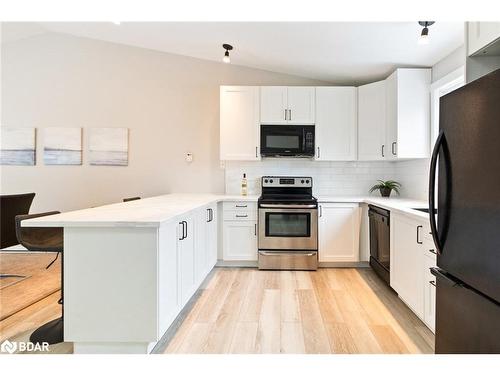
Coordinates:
185	224
383	146
319	154
393	148
241	215
432	282
255	229
242	206
182	235
432	251
256	151
320	211
418	235
285	114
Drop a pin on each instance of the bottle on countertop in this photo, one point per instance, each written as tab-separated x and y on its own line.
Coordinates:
244	185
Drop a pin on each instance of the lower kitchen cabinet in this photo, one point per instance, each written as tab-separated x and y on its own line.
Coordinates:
412	256
240	240
186	251
212	236
339	225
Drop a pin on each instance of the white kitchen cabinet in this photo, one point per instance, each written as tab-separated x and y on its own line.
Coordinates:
273	105
287	105
301	105
429	288
339	225
336	123
481	35
406	261
408	114
240	240
186	249
371	121
200	244
239	123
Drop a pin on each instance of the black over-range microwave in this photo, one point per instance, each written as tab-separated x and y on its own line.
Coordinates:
287	140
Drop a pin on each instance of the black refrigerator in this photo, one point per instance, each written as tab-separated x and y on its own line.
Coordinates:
466	161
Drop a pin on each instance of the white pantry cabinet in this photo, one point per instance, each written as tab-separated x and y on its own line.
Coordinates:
240	231
339	225
408	114
293	105
371	121
336	123
239	123
481	35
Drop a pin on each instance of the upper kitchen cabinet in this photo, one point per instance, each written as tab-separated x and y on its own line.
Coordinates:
371	121
287	105
239	123
483	38
408	114
336	123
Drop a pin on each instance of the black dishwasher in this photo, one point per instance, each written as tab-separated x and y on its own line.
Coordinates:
380	230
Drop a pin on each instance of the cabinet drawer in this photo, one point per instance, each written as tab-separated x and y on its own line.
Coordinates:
429	248
240	206
240	215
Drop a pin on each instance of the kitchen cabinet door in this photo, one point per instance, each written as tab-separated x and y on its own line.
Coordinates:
408	114
336	123
186	255
168	274
240	240
301	105
481	35
406	262
273	105
429	293
339	225
212	237
371	121
239	123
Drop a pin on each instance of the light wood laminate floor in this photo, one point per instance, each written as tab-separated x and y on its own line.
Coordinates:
244	310
336	310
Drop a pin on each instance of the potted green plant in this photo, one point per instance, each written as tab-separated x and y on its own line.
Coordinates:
386	187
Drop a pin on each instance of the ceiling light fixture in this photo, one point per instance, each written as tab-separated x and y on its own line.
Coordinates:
424	35
226	57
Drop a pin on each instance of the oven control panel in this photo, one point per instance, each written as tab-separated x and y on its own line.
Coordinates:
279	181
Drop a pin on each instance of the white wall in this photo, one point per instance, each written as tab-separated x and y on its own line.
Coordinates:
170	103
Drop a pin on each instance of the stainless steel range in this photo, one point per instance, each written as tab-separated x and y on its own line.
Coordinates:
288	224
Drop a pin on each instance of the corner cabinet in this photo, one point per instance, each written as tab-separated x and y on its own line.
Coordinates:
239	123
339	225
287	105
394	117
336	123
371	121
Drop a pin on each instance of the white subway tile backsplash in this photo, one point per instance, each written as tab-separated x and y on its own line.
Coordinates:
332	178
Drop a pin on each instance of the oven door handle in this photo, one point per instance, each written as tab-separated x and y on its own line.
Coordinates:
286	253
264	205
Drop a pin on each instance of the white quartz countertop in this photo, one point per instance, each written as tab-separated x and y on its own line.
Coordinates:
151	212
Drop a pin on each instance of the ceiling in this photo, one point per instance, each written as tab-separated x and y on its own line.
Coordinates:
338	52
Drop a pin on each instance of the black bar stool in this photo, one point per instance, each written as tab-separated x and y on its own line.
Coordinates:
44	240
10	206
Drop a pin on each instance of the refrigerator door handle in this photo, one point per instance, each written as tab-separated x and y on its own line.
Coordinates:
432	187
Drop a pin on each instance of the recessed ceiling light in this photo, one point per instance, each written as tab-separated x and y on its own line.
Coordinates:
226	57
424	35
